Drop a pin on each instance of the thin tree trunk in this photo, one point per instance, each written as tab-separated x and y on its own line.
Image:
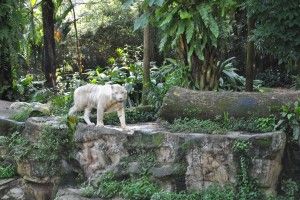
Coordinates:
79	58
33	45
49	42
183	51
146	65
250	56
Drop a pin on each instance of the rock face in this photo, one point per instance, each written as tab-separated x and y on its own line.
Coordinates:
11	189
39	183
178	160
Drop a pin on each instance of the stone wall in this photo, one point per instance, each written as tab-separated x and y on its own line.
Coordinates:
178	161
181	161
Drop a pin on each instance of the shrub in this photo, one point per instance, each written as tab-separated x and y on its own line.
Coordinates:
215	192
26	112
133	115
196	126
140	189
108	187
87	191
7	171
176	196
222	125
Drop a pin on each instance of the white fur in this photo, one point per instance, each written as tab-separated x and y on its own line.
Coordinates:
105	98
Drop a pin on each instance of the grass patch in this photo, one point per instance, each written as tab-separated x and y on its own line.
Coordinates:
196	126
220	126
107	186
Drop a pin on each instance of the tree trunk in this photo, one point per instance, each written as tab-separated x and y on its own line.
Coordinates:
250	56
146	65
79	58
6	78
204	74
182	50
49	42
180	103
5	70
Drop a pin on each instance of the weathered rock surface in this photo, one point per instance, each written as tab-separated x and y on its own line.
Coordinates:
181	102
179	160
8	126
74	194
11	189
34	106
38	183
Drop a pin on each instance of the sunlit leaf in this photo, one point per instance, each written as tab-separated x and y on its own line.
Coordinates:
141	21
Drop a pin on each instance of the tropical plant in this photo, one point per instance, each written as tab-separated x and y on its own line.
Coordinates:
11	23
276	32
195	29
124	69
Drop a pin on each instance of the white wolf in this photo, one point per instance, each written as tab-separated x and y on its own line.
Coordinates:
105	98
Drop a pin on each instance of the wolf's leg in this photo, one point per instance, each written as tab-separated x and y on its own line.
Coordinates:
86	116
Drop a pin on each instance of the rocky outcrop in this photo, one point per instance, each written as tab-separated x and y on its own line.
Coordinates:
33	106
11	189
39	182
178	160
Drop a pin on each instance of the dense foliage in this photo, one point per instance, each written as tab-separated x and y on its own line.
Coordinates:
195	44
277	32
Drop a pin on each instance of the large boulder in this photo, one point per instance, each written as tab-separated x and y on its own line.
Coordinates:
181	103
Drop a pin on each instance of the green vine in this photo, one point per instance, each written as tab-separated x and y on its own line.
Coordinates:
247	188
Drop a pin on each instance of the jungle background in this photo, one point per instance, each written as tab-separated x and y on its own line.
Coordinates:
51	47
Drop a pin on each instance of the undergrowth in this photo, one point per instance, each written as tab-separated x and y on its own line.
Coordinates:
223	125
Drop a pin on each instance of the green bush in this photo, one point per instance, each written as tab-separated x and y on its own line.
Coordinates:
26	112
176	196
222	125
7	171
108	186
42	96
87	191
60	104
133	115
196	126
140	189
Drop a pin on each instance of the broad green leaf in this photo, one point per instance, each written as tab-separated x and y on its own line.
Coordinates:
184	15
167	19
141	21
32	3
204	10
181	27
213	26
199	53
189	32
163	42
